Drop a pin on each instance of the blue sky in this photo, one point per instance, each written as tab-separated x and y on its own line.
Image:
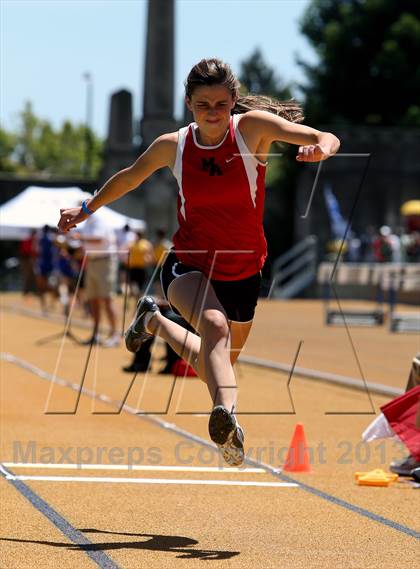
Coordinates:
47	45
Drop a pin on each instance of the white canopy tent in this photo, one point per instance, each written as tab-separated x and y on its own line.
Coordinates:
36	206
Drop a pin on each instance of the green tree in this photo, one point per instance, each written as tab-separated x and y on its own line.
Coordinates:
37	147
369	62
72	149
258	78
7	146
26	139
46	154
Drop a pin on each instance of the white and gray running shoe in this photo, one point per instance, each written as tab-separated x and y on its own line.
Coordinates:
136	333
225	431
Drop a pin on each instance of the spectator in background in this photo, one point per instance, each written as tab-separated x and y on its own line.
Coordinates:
101	276
125	238
161	249
335	247
353	253
412	247
382	248
140	258
45	265
68	268
395	242
366	245
27	257
162	246
410	239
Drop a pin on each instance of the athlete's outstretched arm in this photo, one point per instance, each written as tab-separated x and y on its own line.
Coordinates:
160	153
314	145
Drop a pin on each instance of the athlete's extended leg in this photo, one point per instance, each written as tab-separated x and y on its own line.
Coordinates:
219	343
194	297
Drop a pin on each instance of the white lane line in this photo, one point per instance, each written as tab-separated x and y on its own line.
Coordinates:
144	467
151	481
152	419
333	378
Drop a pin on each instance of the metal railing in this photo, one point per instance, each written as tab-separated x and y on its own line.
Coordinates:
296	269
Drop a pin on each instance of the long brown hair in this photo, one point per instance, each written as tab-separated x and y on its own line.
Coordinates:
216	72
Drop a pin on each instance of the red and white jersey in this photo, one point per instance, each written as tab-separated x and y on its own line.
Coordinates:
220	205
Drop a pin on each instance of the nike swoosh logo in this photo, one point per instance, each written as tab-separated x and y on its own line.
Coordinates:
230	159
174	266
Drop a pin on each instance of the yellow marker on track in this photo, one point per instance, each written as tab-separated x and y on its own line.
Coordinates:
377	477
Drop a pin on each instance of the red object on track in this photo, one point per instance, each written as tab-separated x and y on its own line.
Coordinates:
401	415
297	459
180	368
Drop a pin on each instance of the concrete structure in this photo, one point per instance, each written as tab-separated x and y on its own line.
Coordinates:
391	178
155	201
119	151
159	193
158	100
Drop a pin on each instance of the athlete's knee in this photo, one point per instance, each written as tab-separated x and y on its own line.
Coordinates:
214	325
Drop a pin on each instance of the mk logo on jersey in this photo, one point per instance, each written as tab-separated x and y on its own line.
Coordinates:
209	165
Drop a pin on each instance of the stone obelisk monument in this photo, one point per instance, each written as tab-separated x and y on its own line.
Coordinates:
155	200
159	191
158	100
118	150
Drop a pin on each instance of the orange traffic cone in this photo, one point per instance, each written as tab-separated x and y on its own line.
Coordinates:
297	459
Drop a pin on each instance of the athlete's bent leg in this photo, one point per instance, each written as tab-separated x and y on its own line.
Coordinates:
193	296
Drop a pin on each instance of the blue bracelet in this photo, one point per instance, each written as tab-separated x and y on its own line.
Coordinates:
86	209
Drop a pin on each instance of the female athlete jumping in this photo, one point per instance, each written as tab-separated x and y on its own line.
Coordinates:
212	275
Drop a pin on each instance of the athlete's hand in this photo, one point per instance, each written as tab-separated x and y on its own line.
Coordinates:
312	153
69	218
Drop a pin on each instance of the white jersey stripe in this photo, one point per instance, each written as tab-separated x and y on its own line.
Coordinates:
177	171
249	160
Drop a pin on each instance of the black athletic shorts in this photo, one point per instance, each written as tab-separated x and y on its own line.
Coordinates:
238	298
